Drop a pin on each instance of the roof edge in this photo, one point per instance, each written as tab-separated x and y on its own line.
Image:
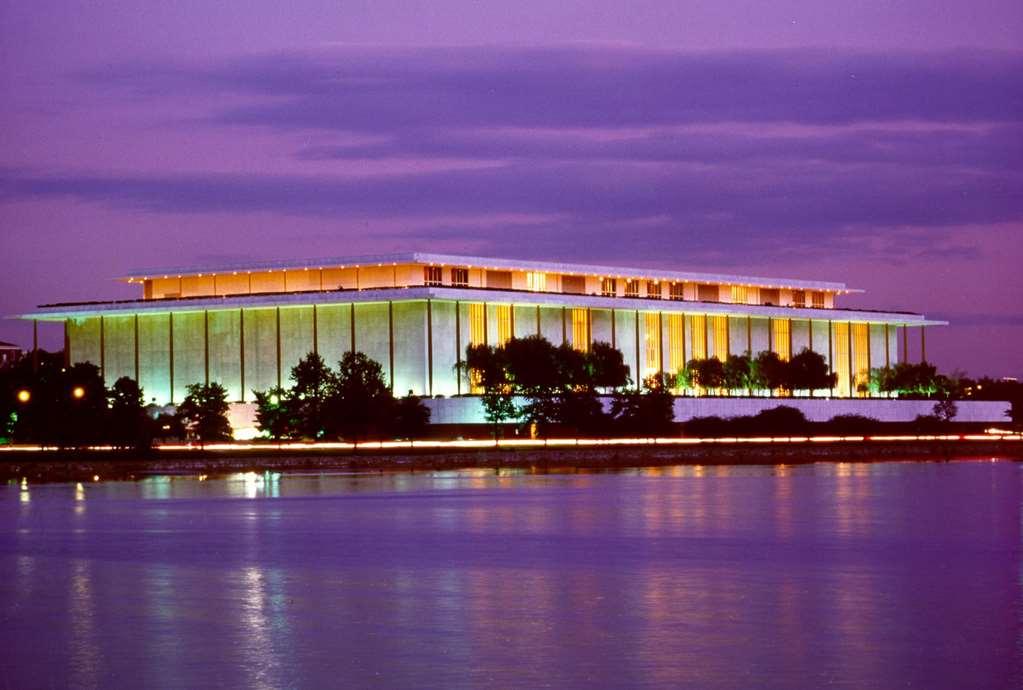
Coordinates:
497	263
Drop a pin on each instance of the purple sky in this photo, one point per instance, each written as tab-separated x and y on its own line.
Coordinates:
876	143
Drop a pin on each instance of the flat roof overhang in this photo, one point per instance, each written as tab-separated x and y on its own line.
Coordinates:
483	262
60	312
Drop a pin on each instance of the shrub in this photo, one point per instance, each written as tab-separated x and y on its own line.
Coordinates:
411	417
851	424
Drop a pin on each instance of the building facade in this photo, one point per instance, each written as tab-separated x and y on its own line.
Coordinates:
9	353
246	326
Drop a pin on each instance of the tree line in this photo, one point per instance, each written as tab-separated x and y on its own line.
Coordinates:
527	381
744	373
51	404
351	402
67	407
559	385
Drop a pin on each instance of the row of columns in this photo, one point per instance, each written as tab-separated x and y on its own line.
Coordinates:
458	339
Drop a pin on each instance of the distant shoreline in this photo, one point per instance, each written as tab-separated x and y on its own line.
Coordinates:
64	466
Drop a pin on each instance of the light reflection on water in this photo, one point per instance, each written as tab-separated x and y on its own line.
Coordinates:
837	575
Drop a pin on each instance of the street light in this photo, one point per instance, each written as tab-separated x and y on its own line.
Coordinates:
77	392
24	395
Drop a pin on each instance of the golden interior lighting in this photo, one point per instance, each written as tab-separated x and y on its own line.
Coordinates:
78	392
504	323
720	337
781	337
477	324
652	344
581	329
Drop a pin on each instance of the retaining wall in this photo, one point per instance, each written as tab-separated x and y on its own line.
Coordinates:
468	410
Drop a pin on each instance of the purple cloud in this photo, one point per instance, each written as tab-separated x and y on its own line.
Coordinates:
989	147
710	207
377	89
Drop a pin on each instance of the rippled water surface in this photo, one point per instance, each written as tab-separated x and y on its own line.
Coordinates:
830	575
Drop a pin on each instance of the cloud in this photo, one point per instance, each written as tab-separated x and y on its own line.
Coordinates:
602	202
384	89
720	155
992	148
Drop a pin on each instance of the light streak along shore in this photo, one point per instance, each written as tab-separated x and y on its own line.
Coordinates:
543	443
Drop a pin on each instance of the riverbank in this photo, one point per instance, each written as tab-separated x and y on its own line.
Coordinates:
87	465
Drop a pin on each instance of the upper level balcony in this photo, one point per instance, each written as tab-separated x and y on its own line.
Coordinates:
414	270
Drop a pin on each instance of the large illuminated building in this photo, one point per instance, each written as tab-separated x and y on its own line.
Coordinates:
415	313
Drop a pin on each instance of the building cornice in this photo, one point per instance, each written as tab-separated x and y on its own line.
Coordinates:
59	312
623	272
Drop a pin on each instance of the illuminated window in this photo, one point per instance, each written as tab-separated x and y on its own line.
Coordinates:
780	332
632	288
699	337
676	292
477	324
721	337
608	287
841	361
818	300
652	344
536	281
799	298
676	343
477	336
433	275
739	294
504	323
460	277
581	329
861	356
653	289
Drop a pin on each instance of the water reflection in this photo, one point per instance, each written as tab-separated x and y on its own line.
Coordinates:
84	649
784	576
258	618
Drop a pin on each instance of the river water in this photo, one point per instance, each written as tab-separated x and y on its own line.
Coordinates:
887	575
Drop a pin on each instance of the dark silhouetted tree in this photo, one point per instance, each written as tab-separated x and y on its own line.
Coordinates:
307	399
487	369
360	403
204	412
583	412
411	417
129	426
907	379
771	371
707	373
946	409
737	373
533	370
607	366
573	369
647	413
66	407
808	370
275	413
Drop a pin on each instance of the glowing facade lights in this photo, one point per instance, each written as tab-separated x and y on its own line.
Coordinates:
249	333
